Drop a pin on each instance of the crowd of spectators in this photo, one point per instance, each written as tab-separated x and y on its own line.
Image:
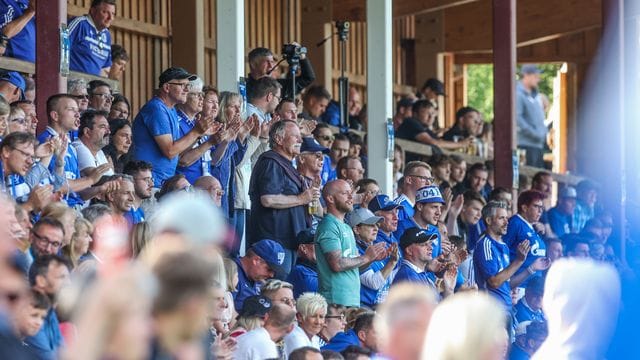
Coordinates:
207	225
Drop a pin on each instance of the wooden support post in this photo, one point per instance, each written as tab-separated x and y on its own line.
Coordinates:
316	25
48	79
429	43
187	47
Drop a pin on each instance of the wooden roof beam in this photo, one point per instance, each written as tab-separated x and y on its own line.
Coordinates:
355	10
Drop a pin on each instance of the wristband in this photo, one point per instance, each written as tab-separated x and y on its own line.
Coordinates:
530	271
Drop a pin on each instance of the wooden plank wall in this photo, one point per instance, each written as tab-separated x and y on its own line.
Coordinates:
142	27
210	42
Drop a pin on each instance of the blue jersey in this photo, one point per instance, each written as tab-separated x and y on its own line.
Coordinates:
71	168
155	119
560	223
409	223
524	313
304	278
202	166
409	272
326	169
134	216
48	340
90	49
246	288
489	258
405	211
518	231
22	45
369	296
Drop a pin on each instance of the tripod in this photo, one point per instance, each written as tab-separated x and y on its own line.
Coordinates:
342	30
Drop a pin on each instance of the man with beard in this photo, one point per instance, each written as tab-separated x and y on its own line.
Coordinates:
427	212
93	135
140	171
310	163
336	250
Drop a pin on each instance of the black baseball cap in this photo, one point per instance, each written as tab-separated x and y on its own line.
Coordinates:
434	84
255	305
416	235
175	73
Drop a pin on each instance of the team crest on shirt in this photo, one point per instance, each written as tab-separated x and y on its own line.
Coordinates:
537	251
529	234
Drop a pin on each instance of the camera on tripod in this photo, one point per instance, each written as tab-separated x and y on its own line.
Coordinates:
292	52
343	29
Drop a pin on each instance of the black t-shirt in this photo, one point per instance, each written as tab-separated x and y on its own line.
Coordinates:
282	225
455	131
411	128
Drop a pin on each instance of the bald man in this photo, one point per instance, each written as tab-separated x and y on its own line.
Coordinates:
212	186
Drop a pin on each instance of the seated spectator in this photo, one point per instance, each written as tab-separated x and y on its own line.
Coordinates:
554	249
279	196
336	249
287	110
120	108
155	129
529	308
5	109
502	194
367	190
403	320
65	215
304	276
278	292
363	335
184	285
93	136
262	64
417	174
543	181
263	261
314	103
47	275
576	246
30	88
12	86
587	196
140	171
90	39
31	316
355	144
80	241
465	221
174	184
29	109
354	352
252	315
334	323
311	161
375	279
100	97
403	111
121	199
119	148
324	135
339	150
17	120
441	169
140	236
350	168
77	88
467	121
475	180
420	128
458	170
355	108
527	343
47	237
312	309
119	60
260	343
560	217
211	186
18	26
465	269
306	353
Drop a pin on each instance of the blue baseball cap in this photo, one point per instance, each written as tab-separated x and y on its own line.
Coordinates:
310	144
16	79
382	203
272	253
429	194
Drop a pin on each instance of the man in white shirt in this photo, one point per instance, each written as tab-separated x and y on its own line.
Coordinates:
260	343
93	135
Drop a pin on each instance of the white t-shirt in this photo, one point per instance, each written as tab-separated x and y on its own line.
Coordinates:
256	345
297	339
86	158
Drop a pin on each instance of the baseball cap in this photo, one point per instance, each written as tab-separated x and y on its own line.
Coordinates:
416	235
15	79
434	84
568	192
429	194
272	253
382	203
362	216
310	144
530	69
306	236
175	73
255	305
404	102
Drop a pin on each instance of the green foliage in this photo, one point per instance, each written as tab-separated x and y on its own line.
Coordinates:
480	85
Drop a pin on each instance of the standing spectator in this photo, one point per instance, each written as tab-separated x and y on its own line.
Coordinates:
314	103
90	39
279	196
140	171
263	98
262	64
212	186
304	276
466	220
350	168
119	148
287	110
417	174
18	25
560	217
310	162
403	111
77	88
12	86
441	169
528	343
417	250
29	109
260	343
339	149
554	249
336	249
120	200
156	132
252	315
312	309
100	97
458	170
543	181
532	132
324	135
427	212
363	335
30	317
467	121
48	275
120	108
585	204
94	135
431	89
278	292
5	110
476	180
119	60
334	323
47	237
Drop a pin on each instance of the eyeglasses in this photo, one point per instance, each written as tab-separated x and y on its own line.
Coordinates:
45	240
21	121
426	179
82	97
148	179
185	86
105	96
199	95
27	155
341	317
537	207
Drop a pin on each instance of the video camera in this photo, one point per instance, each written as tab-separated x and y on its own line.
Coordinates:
292	52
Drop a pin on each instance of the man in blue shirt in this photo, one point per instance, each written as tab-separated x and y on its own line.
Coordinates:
493	265
529	308
427	212
560	217
417	174
90	39
156	129
417	250
19	25
304	276
140	171
382	206
48	274
263	261
12	86
530	208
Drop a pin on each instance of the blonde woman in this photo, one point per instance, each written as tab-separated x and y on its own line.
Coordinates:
467	326
140	236
231	271
80	241
312	309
